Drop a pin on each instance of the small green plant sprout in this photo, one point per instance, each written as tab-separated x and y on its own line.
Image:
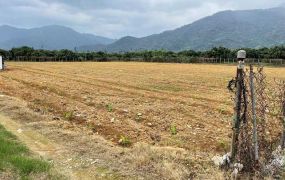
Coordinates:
124	141
222	145
223	110
69	115
173	129
138	117
91	126
109	107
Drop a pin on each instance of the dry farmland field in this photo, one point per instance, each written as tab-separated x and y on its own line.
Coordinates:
136	119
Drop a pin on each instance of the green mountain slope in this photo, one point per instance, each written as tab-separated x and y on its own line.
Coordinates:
232	29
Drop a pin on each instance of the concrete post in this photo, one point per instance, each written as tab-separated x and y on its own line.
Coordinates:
1	63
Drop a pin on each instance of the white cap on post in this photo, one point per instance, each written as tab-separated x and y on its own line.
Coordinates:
241	54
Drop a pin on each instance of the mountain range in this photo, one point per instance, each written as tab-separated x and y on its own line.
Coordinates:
232	29
52	37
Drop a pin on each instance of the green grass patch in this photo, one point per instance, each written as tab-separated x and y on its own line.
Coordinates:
166	87
16	157
175	141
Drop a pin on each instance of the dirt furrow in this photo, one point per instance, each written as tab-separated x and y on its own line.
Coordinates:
160	95
130	90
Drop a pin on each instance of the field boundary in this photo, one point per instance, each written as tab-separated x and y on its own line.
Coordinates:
186	60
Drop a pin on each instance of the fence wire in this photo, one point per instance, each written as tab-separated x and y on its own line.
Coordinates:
265	104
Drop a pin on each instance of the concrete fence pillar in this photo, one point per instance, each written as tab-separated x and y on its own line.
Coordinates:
1	63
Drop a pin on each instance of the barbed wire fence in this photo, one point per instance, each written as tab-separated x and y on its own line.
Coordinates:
258	137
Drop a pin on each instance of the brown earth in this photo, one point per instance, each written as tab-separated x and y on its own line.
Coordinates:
140	101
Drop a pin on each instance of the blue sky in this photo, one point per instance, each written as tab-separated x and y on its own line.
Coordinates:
117	18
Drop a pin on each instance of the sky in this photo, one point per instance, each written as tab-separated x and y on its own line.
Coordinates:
118	18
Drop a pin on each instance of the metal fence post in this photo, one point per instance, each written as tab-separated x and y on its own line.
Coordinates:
255	140
238	101
283	114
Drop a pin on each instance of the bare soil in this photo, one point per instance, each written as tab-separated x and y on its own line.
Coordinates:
83	109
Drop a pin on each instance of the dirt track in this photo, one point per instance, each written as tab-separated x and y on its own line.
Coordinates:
140	101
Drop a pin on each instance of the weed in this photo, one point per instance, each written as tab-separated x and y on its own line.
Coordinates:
124	141
223	110
91	126
175	141
138	117
109	107
69	115
173	129
223	146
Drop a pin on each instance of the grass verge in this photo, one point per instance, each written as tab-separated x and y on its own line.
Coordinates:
16	159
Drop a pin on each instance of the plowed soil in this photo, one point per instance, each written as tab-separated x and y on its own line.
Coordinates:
139	101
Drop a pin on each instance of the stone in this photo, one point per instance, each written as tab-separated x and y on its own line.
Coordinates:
20	131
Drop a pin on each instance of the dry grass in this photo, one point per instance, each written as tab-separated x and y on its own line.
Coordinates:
161	161
171	163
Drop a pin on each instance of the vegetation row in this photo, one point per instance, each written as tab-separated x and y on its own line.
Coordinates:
188	56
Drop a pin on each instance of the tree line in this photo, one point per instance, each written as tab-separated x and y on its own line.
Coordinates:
29	54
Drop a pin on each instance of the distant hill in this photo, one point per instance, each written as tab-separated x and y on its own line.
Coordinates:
232	29
48	37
